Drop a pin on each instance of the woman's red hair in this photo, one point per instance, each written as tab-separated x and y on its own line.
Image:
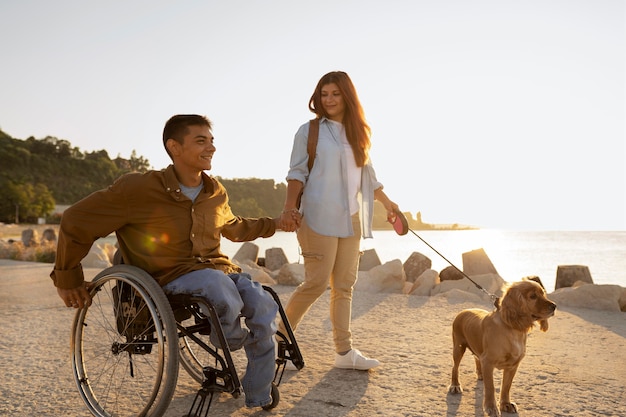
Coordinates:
358	131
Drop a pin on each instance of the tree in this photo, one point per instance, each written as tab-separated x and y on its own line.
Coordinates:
138	163
25	202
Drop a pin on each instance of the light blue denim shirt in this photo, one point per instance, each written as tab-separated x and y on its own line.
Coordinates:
325	199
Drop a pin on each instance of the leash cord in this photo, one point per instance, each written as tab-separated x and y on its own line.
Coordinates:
492	296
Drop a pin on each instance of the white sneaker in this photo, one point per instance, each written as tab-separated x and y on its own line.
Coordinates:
355	360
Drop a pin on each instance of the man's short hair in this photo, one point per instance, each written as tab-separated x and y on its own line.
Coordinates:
178	126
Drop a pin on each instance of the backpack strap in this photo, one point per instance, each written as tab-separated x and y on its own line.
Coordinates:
311	146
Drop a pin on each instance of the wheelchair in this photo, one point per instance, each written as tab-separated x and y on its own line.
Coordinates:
127	346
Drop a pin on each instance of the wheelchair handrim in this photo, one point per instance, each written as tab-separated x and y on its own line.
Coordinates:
82	381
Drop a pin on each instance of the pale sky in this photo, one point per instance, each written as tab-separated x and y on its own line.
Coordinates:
498	114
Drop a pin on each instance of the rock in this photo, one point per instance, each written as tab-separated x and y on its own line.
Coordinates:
30	238
275	258
369	259
415	265
567	275
477	262
596	297
257	273
110	251
291	274
461	296
98	257
450	273
424	284
492	283
388	277
247	252
49	236
622	300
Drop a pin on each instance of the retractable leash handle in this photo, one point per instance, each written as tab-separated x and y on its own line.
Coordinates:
399	222
401	226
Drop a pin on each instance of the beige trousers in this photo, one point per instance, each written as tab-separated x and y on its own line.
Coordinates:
327	260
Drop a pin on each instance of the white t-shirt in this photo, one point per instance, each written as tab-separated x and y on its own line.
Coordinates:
354	173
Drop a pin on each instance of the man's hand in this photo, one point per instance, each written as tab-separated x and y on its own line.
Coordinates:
76	297
290	220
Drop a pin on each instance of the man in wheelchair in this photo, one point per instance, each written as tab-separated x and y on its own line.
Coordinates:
169	223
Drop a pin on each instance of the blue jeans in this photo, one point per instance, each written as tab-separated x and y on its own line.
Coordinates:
233	296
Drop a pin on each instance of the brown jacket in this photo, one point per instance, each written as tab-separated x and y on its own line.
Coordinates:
158	228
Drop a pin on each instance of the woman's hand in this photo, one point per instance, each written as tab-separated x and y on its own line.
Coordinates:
389	205
290	220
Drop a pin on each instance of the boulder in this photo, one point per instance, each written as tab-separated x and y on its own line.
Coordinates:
450	273
98	257
388	277
477	262
275	258
415	265
256	272
247	252
30	237
622	300
461	296
596	297
424	284
48	236
492	283
369	259
567	275
291	274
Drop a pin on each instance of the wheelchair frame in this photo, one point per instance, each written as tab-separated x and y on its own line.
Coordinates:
126	347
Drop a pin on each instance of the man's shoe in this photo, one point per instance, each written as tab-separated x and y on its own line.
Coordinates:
355	360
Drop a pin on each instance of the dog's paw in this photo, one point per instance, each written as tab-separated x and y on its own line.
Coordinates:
455	389
492	411
508	408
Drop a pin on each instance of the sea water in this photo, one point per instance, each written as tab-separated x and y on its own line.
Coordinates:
514	254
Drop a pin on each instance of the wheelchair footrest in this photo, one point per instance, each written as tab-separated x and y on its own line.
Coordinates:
289	352
219	380
215	381
286	352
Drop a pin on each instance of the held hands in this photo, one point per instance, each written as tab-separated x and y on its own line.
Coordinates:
290	220
78	297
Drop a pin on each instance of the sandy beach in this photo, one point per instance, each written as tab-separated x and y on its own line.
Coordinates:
577	368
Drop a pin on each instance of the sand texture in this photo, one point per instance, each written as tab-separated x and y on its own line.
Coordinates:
577	368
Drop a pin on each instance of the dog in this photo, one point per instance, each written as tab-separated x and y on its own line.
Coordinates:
498	339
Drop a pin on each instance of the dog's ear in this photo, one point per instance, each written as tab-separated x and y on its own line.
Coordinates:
534	278
543	325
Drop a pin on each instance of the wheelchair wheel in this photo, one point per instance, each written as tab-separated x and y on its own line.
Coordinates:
275	398
193	357
125	346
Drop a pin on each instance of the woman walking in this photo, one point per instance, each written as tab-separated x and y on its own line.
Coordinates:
331	206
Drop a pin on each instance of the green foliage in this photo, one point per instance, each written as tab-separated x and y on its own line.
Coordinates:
36	174
24	201
253	197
